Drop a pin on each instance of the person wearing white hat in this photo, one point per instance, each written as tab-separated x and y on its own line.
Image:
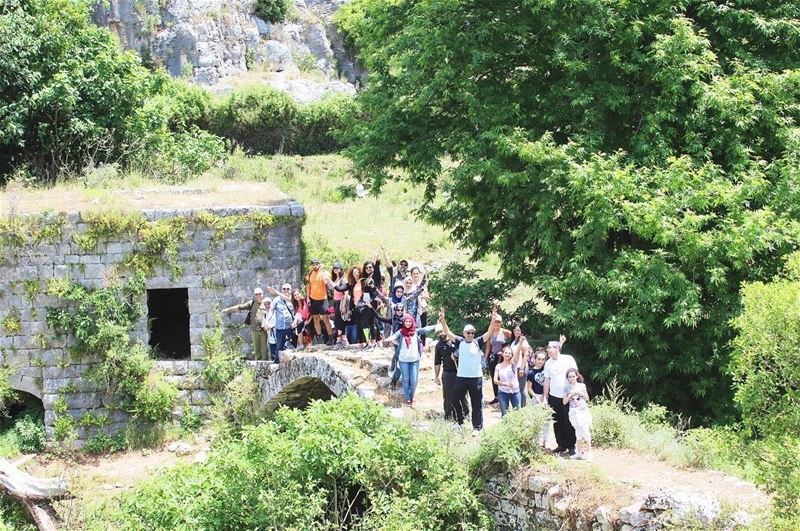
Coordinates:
555	388
469	372
256	312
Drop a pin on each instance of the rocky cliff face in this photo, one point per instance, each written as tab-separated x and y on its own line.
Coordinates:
210	40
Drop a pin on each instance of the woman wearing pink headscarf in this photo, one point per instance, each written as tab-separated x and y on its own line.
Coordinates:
410	343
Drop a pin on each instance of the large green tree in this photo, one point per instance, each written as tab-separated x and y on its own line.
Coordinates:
634	160
66	89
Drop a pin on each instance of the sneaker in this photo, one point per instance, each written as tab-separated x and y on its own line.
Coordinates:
494	402
559	450
572	452
475	433
576	455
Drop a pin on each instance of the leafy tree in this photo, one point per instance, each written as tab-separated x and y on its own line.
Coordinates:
66	90
636	161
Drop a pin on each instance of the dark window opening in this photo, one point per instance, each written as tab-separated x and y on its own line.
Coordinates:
168	318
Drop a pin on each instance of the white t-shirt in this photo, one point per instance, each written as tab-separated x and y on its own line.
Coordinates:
556	370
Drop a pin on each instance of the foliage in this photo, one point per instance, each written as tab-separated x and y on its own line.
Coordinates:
11	321
466	297
7	393
341	464
99	320
273	11
190	419
261	119
510	444
780	474
766	360
317	246
67	89
223	357
30	433
237	405
14	516
166	134
634	161
105	225
73	100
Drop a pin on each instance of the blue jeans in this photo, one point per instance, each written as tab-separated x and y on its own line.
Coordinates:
394	368
351	331
507	399
410	372
281	339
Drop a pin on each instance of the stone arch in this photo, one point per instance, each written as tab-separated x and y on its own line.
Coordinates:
298	380
26	384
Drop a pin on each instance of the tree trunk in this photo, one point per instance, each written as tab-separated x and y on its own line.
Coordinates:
34	493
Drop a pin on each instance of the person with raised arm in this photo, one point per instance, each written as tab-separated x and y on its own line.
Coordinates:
283	309
256	312
469	369
317	283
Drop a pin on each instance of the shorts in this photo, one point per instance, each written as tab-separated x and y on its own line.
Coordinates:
581	420
319	307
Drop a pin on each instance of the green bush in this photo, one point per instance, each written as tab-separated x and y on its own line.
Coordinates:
780	474
273	11
264	120
341	464
237	406
322	124
14	516
30	433
765	362
511	443
224	360
154	397
259	119
609	425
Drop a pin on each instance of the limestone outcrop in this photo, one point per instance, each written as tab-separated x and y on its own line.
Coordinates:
209	40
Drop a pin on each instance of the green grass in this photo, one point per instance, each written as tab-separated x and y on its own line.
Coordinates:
9	444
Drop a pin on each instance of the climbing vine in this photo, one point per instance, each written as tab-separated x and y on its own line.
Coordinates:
99	320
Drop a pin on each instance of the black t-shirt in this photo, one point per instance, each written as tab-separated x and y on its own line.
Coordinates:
444	348
537	377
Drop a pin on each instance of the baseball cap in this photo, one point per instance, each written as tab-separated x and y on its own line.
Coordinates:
438	328
315	260
469	328
258	291
404	261
336	264
555	344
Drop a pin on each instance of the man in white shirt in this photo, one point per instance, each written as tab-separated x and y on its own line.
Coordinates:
555	388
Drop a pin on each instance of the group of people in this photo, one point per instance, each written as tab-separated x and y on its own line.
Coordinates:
364	306
359	305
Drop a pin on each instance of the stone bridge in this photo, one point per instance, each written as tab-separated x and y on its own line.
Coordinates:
302	376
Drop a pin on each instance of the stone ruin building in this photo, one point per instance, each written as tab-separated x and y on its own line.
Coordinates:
217	257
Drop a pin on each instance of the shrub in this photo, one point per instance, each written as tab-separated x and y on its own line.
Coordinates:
154	397
237	406
341	464
322	125
259	119
30	433
264	120
511	443
765	362
273	11
223	358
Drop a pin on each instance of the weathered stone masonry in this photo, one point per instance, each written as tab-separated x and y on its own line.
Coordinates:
216	269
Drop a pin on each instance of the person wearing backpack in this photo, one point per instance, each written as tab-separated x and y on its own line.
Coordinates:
256	312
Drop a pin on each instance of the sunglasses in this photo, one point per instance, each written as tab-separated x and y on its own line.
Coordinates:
286	289
469	333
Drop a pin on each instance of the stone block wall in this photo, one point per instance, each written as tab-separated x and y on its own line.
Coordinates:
538	502
217	269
